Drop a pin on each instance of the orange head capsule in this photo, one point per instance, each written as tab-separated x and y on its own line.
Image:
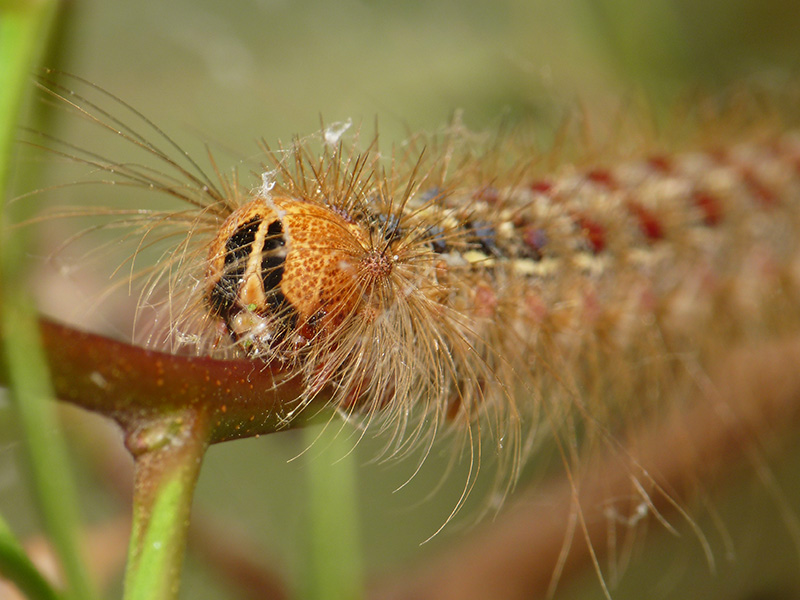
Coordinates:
283	271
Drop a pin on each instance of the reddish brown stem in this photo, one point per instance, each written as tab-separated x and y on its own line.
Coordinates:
132	385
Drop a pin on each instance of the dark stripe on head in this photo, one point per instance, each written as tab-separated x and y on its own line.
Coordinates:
237	250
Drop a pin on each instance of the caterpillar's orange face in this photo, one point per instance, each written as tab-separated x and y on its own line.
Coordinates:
280	265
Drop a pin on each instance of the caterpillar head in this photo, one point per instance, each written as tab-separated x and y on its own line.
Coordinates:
282	272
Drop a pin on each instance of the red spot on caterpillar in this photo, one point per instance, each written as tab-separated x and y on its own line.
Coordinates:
535	307
602	177
719	155
649	224
710	207
765	196
592	306
648	300
660	163
543	187
487	194
594	233
535	239
485	300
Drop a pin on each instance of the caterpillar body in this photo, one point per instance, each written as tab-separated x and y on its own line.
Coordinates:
446	290
461	299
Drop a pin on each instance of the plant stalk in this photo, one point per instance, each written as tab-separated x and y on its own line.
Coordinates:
334	570
168	452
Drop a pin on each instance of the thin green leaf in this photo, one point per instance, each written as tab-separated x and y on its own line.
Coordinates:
18	568
24	29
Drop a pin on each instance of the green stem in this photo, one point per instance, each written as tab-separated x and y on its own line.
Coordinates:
335	571
168	452
24	31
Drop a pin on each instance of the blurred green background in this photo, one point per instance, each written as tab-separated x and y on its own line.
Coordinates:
236	71
229	73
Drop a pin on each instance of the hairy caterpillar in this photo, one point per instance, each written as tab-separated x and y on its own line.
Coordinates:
432	294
